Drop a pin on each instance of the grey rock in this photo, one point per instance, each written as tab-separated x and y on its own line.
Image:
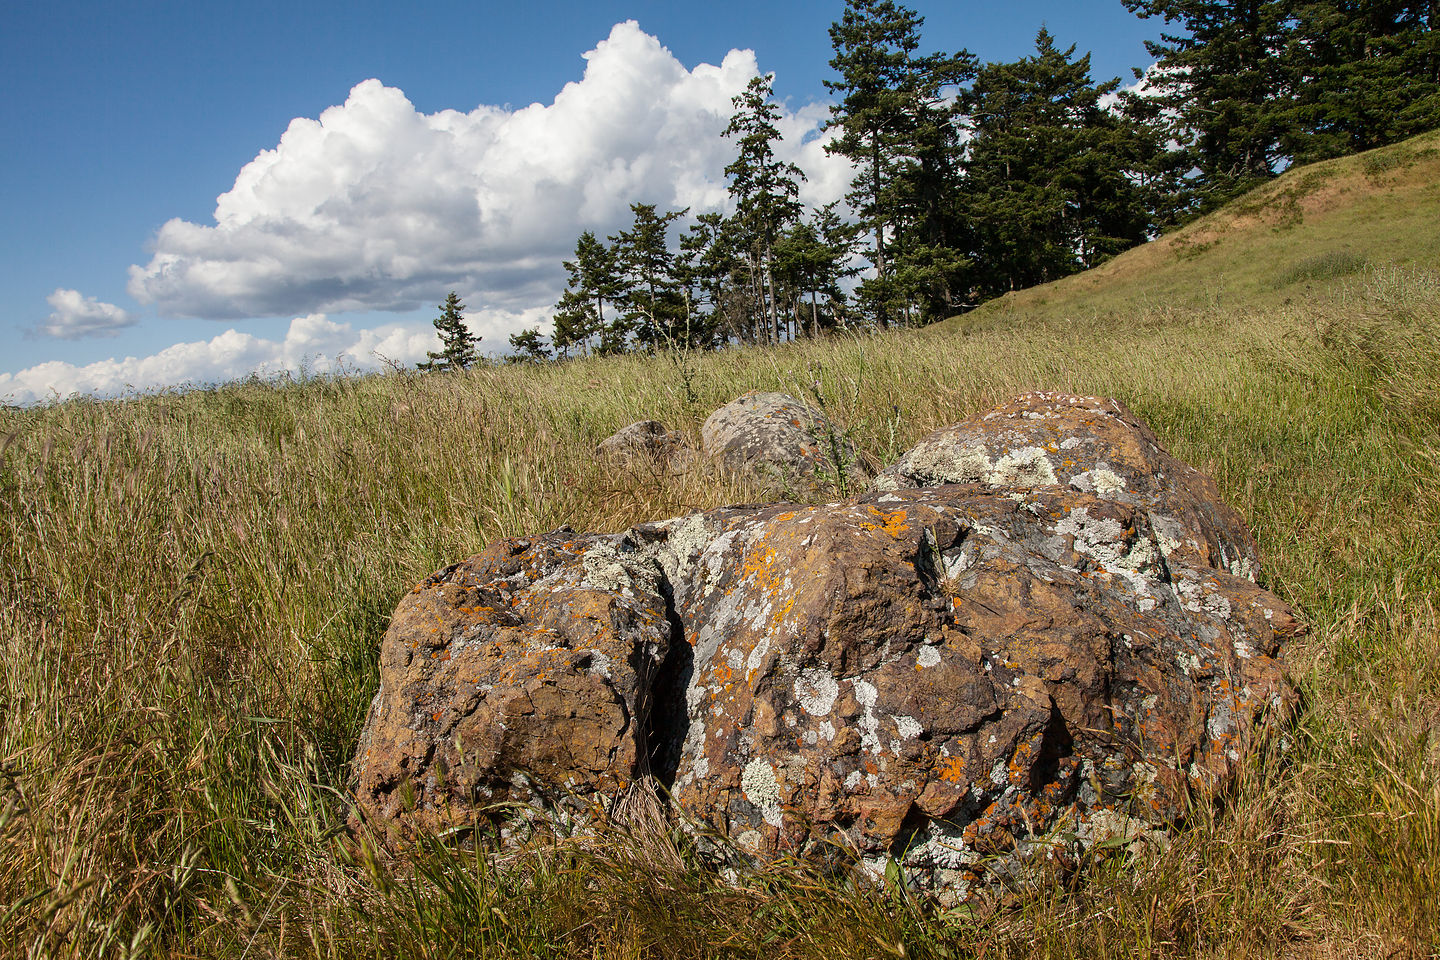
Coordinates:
794	447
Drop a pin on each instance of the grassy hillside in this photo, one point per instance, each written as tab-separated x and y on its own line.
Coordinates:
193	588
1279	245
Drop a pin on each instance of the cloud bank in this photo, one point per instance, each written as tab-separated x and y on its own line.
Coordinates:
76	317
314	343
375	206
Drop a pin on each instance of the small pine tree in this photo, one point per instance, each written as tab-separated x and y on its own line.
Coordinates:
529	347
457	342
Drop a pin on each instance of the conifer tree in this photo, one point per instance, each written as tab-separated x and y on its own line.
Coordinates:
1365	73
705	267
813	259
529	347
896	127
652	297
594	282
765	191
1050	175
457	343
1221	86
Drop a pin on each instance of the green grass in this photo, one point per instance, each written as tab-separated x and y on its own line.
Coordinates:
195	585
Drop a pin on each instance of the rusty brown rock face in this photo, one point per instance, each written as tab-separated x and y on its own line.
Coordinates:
954	676
939	675
524	673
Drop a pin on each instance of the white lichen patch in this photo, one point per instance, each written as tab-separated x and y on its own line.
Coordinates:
1025	467
1218	604
604	571
908	727
866	694
1144	776
853	779
940	845
928	657
762	789
1221	722
599	664
750	841
1169	533
816	691
686	539
1105	825
1103	540
941	462
1101	481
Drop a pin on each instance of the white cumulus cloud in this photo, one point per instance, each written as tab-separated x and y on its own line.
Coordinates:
76	316
376	206
313	343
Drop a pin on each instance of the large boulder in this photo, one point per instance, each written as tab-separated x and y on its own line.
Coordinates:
962	678
1091	445
773	436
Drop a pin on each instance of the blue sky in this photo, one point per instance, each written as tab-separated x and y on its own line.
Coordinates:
123	123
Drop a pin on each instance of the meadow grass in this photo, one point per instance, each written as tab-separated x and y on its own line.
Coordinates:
195	585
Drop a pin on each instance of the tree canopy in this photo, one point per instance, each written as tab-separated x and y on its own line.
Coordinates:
972	179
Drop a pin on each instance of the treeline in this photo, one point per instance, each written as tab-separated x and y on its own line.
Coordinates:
974	178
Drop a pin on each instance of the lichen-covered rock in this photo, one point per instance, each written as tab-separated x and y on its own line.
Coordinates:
779	439
946	675
648	441
523	674
1091	445
964	677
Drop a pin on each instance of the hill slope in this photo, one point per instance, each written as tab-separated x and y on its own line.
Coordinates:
193	588
1310	227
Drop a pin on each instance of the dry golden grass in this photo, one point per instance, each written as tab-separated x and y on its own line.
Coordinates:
193	588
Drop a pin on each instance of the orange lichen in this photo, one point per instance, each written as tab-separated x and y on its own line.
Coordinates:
952	770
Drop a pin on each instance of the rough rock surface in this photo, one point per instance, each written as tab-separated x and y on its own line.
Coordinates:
647	440
964	677
946	675
525	672
1091	445
778	438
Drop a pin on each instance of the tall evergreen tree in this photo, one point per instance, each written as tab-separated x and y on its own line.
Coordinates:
594	282
1365	73
654	304
894	125
457	342
1051	185
813	259
705	266
528	346
765	190
1221	85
